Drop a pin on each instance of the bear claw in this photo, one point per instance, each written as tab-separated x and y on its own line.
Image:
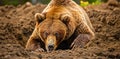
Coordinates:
39	50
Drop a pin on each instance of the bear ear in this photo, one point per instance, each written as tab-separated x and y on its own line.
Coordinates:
65	18
39	17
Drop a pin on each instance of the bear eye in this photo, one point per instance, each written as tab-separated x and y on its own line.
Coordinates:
57	34
46	34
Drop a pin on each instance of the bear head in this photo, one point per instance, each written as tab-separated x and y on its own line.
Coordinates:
52	31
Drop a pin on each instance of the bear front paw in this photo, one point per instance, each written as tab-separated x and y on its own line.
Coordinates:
80	41
39	50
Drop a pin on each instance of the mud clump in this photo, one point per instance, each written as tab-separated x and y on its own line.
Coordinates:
17	24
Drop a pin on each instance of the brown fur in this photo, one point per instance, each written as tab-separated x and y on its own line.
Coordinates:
65	18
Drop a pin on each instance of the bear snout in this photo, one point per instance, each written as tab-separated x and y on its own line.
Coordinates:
50	43
51	47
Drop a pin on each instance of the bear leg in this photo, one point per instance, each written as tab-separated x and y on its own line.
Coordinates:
80	41
34	45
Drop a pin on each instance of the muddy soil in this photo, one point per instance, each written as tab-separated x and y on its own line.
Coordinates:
17	24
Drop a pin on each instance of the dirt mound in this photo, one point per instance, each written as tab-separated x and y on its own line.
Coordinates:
17	24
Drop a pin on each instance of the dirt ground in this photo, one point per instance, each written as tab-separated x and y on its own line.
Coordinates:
17	24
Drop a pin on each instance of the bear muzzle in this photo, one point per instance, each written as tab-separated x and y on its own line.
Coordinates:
50	43
50	47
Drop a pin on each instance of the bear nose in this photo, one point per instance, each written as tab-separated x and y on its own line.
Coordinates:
51	47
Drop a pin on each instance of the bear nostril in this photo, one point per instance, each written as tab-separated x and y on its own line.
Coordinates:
51	47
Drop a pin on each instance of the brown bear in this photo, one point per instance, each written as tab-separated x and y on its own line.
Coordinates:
62	24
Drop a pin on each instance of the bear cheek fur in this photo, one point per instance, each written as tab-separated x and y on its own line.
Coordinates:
61	37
